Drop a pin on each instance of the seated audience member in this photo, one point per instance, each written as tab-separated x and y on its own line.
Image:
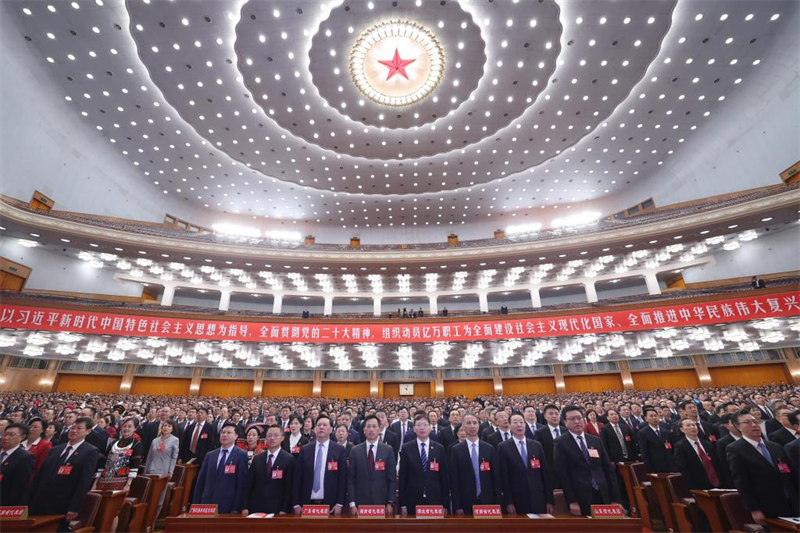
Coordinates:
423	471
524	476
761	472
584	469
35	443
122	459
321	471
372	471
696	459
758	283
474	470
223	475
16	465
65	478
270	477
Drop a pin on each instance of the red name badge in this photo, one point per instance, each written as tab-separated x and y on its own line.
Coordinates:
296	449
486	511
129	452
486	466
202	509
380	466
230	469
594	453
430	511
371	511
434	466
19	512
277	474
627	438
607	511
315	511
64	470
712	438
161	447
333	466
203	436
783	468
536	463
668	445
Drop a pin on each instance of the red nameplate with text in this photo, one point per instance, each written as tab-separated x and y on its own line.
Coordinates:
316	511
608	511
430	511
486	511
371	511
19	512
745	308
203	509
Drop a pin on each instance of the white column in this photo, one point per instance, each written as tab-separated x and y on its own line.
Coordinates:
433	305
652	283
376	306
591	292
277	304
168	295
328	309
224	300
536	298
483	302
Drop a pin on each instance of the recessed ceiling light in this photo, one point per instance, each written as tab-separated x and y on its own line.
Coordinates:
766	219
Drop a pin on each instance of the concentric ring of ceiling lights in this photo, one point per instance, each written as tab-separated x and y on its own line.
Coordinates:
411	53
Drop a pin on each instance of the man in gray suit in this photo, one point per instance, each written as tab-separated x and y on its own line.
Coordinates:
372	474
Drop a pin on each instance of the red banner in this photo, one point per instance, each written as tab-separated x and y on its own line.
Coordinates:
404	331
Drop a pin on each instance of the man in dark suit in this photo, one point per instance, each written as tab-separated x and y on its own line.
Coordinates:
706	431
531	423
787	432
546	436
199	439
726	482
403	425
16	466
583	466
152	430
618	439
69	419
792	449
321	471
447	436
66	475
386	435
523	473
423	471
761	473
760	404
503	432
654	444
97	437
223	477
772	424
269	479
695	458
410	435
635	420
372	471
474	471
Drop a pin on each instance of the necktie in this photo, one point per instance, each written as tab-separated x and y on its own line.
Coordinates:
423	457
523	454
710	472
65	455
621	441
195	436
475	469
317	469
3	456
658	433
763	449
269	467
371	459
221	464
402	430
160	428
585	452
556	433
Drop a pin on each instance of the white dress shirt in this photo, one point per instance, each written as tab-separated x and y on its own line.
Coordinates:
74	447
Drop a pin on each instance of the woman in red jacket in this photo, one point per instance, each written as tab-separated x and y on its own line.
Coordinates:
592	427
35	443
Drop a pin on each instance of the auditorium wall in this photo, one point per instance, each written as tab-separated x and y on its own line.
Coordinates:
83	383
754	375
593	383
161	386
345	389
468	387
529	386
665	379
226	387
300	389
392	390
22	379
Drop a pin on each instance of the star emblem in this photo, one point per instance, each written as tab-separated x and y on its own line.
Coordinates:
396	65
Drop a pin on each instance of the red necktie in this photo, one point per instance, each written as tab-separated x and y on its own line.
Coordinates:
195	437
710	472
371	458
269	467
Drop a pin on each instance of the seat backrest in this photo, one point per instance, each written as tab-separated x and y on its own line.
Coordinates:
677	487
734	509
140	487
178	475
560	507
638	474
88	513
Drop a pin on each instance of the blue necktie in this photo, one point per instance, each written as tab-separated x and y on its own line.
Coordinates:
476	469
586	456
221	464
523	454
423	457
317	467
556	433
763	449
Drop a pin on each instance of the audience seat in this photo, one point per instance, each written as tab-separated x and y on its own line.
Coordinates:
174	491
738	517
560	507
83	523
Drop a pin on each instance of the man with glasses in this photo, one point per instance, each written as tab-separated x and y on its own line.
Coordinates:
584	469
269	480
761	472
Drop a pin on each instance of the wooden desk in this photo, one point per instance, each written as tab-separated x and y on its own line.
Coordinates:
239	524
157	486
708	501
190	475
43	524
109	508
779	526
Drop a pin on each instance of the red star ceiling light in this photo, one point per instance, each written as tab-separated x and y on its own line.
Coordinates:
397	63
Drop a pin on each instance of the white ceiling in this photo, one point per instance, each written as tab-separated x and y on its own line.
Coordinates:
529	114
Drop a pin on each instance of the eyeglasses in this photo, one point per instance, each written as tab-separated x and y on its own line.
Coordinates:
574	418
